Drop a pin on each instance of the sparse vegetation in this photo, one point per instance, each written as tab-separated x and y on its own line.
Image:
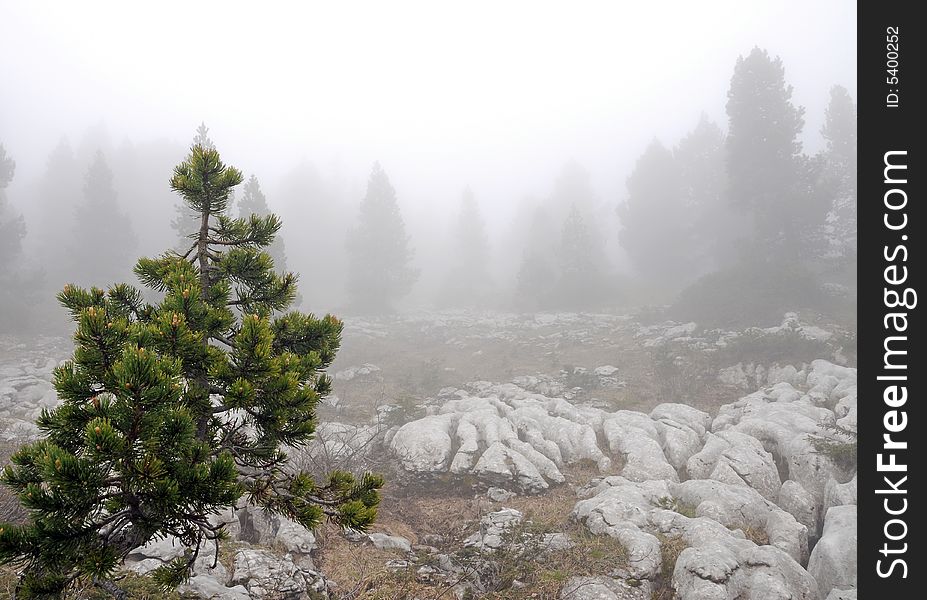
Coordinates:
669	503
839	445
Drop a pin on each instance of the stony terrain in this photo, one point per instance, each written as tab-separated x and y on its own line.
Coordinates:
553	456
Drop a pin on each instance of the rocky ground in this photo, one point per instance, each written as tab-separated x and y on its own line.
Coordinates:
580	456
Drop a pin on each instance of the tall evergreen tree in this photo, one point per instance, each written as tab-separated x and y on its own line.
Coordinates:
655	223
379	253
12	232
57	193
304	195
716	225
103	240
839	132
253	202
173	411
202	138
12	227
537	274
767	173
185	221
468	281
582	282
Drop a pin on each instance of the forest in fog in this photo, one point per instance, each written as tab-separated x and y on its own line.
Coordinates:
736	208
428	301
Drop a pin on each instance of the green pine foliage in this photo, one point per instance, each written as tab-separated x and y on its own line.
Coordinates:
253	202
174	410
185	220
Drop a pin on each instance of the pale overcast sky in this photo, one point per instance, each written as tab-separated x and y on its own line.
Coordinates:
495	94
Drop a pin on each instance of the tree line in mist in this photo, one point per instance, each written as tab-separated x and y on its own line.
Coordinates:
719	222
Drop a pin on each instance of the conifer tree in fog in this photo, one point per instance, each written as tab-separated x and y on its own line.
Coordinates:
185	221
103	242
537	275
58	193
467	282
379	253
12	232
656	225
175	411
572	189
253	202
12	226
768	174
582	282
839	132
702	171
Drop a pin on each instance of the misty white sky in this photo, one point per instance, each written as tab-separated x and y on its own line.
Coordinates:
495	94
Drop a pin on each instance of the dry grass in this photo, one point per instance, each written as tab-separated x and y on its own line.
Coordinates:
670	549
756	535
445	520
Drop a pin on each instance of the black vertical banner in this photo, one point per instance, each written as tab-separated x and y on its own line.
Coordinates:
892	371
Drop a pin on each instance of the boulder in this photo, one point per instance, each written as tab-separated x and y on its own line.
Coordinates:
391	543
265	575
605	588
833	560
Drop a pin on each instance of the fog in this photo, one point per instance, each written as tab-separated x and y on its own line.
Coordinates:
575	314
497	99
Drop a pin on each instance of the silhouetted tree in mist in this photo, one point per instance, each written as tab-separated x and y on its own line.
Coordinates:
656	225
309	201
253	201
537	273
467	281
840	160
103	243
582	281
717	226
379	253
565	269
767	173
14	293
12	226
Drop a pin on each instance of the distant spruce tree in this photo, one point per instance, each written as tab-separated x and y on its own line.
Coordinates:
173	411
253	202
103	240
767	173
839	132
467	282
656	225
58	193
185	221
716	225
537	273
379	254
12	226
12	232
582	281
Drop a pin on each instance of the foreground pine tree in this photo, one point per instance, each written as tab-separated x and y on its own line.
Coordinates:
174	410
